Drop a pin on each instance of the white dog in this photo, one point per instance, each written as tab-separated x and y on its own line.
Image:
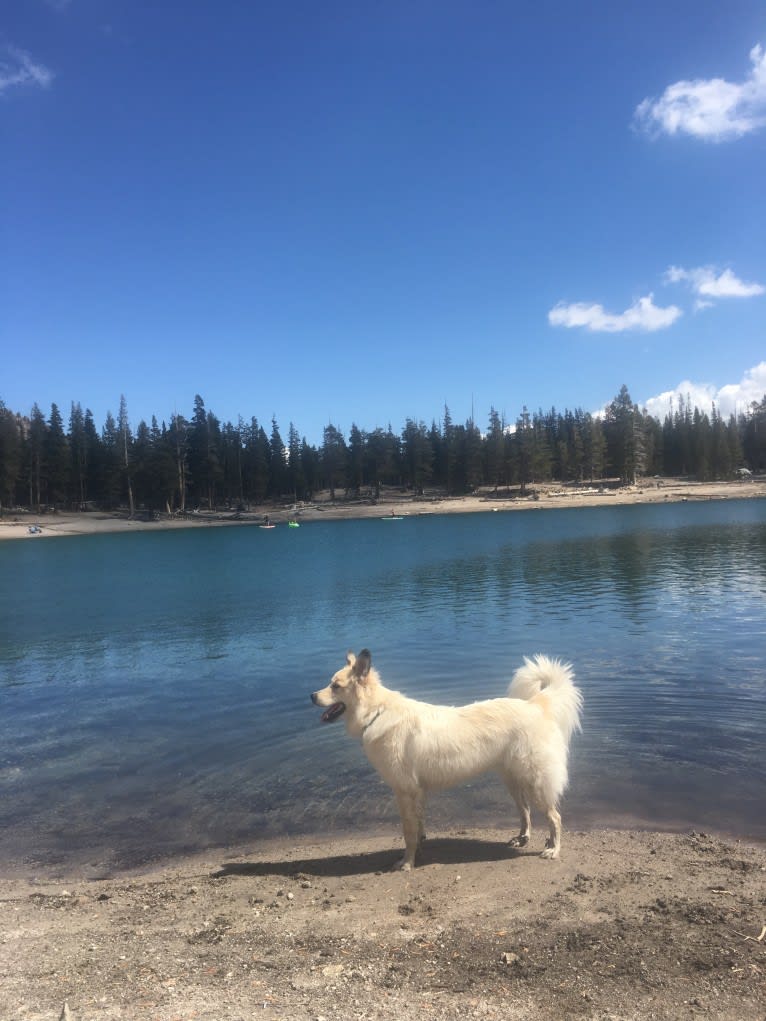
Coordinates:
417	747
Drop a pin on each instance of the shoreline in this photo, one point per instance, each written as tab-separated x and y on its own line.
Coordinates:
16	525
81	868
627	924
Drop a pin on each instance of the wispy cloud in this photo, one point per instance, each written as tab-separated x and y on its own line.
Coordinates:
707	282
728	399
712	109
17	68
643	316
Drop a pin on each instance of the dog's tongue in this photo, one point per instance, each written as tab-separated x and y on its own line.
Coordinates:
336	709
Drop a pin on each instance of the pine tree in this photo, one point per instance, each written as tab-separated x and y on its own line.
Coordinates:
10	457
417	454
140	454
473	468
256	462
311	468
277	461
126	441
111	462
178	442
355	460
295	468
333	458
494	445
525	448
205	473
78	450
378	459
624	437
542	454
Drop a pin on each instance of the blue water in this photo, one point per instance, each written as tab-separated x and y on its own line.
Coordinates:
155	687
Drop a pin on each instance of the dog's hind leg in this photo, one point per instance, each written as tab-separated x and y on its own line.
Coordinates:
553	843
421	809
522	803
525	830
410	812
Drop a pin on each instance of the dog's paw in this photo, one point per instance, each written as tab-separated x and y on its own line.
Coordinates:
520	841
550	853
402	866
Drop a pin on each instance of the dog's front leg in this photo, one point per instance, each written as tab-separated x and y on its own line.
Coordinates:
410	813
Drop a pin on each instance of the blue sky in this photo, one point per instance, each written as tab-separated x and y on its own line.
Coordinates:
356	213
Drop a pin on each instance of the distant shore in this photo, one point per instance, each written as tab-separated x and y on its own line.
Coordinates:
32	526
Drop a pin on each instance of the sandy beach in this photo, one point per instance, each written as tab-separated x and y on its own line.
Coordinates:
16	525
627	925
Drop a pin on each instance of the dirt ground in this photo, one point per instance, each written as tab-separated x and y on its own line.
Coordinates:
626	925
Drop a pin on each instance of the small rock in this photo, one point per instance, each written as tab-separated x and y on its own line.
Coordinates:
332	970
510	958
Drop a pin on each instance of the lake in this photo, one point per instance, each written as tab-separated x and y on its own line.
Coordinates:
155	686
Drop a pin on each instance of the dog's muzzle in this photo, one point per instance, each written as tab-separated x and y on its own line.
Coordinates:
335	711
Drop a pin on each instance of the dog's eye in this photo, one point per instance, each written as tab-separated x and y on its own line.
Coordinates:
335	685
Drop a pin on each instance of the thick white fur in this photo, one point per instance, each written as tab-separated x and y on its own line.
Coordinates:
417	747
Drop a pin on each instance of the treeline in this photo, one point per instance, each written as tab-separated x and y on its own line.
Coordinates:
201	463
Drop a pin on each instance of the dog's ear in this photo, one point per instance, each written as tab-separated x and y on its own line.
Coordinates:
350	658
363	664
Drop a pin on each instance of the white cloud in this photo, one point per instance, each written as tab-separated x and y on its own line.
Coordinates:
729	399
712	109
18	68
642	315
707	283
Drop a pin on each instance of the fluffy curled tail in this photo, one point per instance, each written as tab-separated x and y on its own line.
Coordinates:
553	680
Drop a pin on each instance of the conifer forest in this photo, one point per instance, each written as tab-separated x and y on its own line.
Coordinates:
182	464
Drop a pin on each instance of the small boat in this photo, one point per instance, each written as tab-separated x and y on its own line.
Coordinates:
393	517
267	526
293	524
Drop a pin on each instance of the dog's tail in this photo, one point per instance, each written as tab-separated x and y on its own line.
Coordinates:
553	680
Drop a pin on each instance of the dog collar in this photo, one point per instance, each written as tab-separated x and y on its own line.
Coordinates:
368	725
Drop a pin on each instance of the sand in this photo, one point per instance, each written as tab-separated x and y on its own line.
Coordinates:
627	925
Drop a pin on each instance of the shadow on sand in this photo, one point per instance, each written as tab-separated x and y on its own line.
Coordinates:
440	850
